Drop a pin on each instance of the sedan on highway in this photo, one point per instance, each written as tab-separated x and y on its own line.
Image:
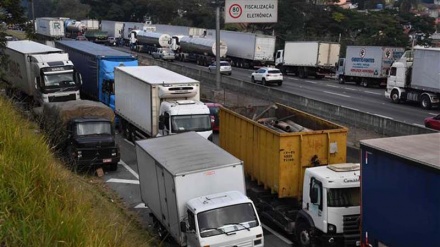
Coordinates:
225	67
267	75
433	122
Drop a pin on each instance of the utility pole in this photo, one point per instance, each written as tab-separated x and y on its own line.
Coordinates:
217	44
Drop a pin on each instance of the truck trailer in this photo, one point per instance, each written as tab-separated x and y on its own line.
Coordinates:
74	28
400	191
96	63
199	50
297	173
155	101
48	29
308	58
82	131
367	65
157	44
247	50
196	192
41	73
113	28
415	78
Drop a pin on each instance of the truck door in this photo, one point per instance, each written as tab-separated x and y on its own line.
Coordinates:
279	57
340	66
316	206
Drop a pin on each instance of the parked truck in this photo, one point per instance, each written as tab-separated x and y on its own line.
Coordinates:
96	63
247	50
128	27
367	65
298	176
155	101
48	29
40	73
399	189
74	28
82	131
90	24
308	58
415	78
157	44
199	50
196	192
113	28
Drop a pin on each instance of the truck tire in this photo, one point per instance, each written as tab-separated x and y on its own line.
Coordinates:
365	83
425	102
341	80
303	234
395	97
113	167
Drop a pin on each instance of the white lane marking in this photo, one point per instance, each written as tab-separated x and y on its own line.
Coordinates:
420	125
434	114
129	169
373	93
330	85
343	95
122	181
349	88
129	142
383	116
141	205
314	82
285	240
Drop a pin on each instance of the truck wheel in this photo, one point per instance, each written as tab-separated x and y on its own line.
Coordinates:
425	102
303	234
341	80
395	97
364	83
113	167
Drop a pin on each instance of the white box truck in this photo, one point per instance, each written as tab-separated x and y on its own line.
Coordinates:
40	72
247	50
49	27
416	77
91	24
151	101
196	191
113	28
367	65
308	58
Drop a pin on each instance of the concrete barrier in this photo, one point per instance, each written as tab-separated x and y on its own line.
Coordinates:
344	115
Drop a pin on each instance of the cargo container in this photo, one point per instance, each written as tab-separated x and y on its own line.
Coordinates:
308	58
247	50
400	191
91	24
196	192
367	65
40	72
49	27
294	160
155	101
113	28
96	64
415	78
128	27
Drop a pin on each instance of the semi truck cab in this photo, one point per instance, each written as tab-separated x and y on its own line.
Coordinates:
56	79
223	219
331	206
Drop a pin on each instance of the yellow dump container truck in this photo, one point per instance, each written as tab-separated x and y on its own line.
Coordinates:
296	168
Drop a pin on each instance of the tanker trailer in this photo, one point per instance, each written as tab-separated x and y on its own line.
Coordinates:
199	50
74	28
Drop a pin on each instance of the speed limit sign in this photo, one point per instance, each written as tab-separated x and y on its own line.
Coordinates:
235	11
251	11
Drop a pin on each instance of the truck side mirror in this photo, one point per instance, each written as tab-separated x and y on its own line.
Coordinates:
314	195
37	82
183	226
161	120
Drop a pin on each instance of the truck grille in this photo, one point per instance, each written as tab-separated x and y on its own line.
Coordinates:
351	229
98	154
62	98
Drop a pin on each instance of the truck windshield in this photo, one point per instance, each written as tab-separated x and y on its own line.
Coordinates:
59	79
93	128
227	219
186	123
343	197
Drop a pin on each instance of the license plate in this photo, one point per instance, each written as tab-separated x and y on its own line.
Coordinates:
107	160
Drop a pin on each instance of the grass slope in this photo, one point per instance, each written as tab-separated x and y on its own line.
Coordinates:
44	204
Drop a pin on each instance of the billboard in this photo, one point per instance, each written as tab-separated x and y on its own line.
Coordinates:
251	11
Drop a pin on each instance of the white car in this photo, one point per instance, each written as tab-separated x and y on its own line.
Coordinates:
163	53
225	67
267	75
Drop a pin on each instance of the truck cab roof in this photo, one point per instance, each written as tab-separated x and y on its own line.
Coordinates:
205	203
90	119
185	107
337	175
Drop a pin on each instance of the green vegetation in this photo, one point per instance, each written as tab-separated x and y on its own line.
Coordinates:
44	204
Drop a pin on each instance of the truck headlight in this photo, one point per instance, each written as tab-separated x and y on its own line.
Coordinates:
80	154
331	228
